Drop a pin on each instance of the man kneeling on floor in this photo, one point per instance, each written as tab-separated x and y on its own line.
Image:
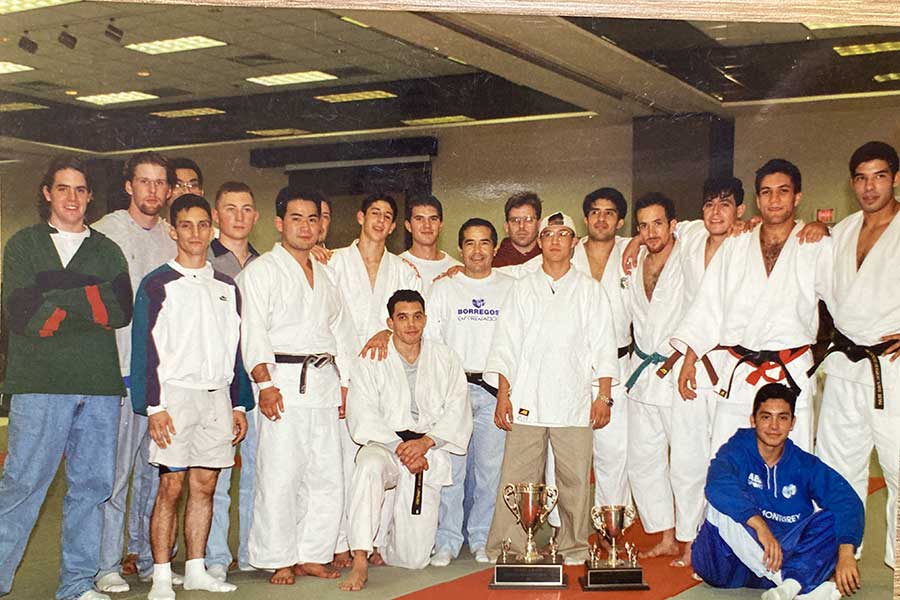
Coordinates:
188	377
762	529
408	412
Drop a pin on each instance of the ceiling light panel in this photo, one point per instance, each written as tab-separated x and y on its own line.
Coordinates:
356	96
860	49
11	67
277	132
17	106
183	44
14	6
117	98
292	78
815	26
188	112
885	77
439	120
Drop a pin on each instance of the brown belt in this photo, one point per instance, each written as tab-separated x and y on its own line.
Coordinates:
670	362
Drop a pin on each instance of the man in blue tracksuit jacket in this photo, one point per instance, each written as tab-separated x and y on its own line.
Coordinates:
762	529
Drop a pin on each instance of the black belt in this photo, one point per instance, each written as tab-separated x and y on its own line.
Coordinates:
316	360
625	350
855	353
478	379
758	358
407	436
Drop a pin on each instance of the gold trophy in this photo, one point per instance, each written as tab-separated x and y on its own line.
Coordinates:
531	503
612	573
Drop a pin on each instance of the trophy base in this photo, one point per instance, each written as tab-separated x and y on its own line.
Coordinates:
545	574
607	579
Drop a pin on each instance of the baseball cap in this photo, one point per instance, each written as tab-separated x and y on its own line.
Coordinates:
557	218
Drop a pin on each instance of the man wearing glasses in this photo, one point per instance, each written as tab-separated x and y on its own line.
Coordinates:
188	178
523	212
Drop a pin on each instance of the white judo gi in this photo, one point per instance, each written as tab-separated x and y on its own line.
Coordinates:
378	406
866	306
739	305
429	270
368	308
299	482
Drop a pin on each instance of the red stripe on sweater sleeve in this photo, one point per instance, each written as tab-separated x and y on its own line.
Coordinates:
98	309
52	323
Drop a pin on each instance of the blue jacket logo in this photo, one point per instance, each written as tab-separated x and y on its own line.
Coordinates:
789	490
478	302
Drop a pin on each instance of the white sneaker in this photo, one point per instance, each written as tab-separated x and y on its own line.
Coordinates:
112	583
219	572
176	578
441	559
481	556
94	595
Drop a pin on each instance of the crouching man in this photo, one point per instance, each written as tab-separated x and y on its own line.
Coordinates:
408	412
188	377
762	529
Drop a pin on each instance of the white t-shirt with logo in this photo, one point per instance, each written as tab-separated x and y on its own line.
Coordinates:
462	313
430	269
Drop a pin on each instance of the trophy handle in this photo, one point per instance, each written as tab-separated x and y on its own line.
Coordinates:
552	497
509	497
630	515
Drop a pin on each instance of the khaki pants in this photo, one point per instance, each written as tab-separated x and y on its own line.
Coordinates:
524	458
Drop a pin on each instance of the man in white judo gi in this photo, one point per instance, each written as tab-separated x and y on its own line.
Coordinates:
759	302
367	274
297	340
462	312
861	403
555	337
424	221
408	412
188	377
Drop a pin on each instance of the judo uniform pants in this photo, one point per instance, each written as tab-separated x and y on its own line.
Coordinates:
404	539
727	554
849	426
524	460
299	488
668	456
349	448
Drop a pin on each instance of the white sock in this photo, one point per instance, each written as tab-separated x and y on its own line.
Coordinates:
196	578
162	583
825	591
788	590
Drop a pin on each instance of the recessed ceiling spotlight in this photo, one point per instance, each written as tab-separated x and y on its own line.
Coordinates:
143	73
71	92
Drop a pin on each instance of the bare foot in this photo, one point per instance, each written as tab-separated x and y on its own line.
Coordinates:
342	560
283	576
375	560
664	548
129	564
685	560
359	574
316	570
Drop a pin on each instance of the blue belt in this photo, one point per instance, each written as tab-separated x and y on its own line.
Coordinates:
646	360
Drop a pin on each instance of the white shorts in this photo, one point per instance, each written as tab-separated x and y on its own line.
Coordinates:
203	429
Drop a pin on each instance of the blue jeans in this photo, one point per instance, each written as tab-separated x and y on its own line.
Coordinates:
469	501
43	427
217	551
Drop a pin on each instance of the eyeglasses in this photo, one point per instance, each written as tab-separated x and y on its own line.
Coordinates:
560	233
520	220
187	186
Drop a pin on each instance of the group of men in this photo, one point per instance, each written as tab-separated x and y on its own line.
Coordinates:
381	401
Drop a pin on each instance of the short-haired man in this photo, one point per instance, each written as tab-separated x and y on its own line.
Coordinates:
324	220
367	274
189	379
856	415
424	221
188	178
759	299
462	312
408	412
554	338
144	238
522	213
65	286
234	212
298	341
779	518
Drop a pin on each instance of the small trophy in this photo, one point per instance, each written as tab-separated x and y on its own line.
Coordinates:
613	573
531	503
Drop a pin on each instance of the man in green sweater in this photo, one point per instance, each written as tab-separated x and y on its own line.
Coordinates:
65	289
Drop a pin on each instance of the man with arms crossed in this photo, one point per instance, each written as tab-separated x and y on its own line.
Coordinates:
866	312
298	339
367	274
64	287
554	338
523	215
764	528
235	214
462	313
425	220
408	412
759	299
189	379
143	236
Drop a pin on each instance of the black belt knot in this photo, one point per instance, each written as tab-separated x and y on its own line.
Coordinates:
406	435
856	352
316	360
478	379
